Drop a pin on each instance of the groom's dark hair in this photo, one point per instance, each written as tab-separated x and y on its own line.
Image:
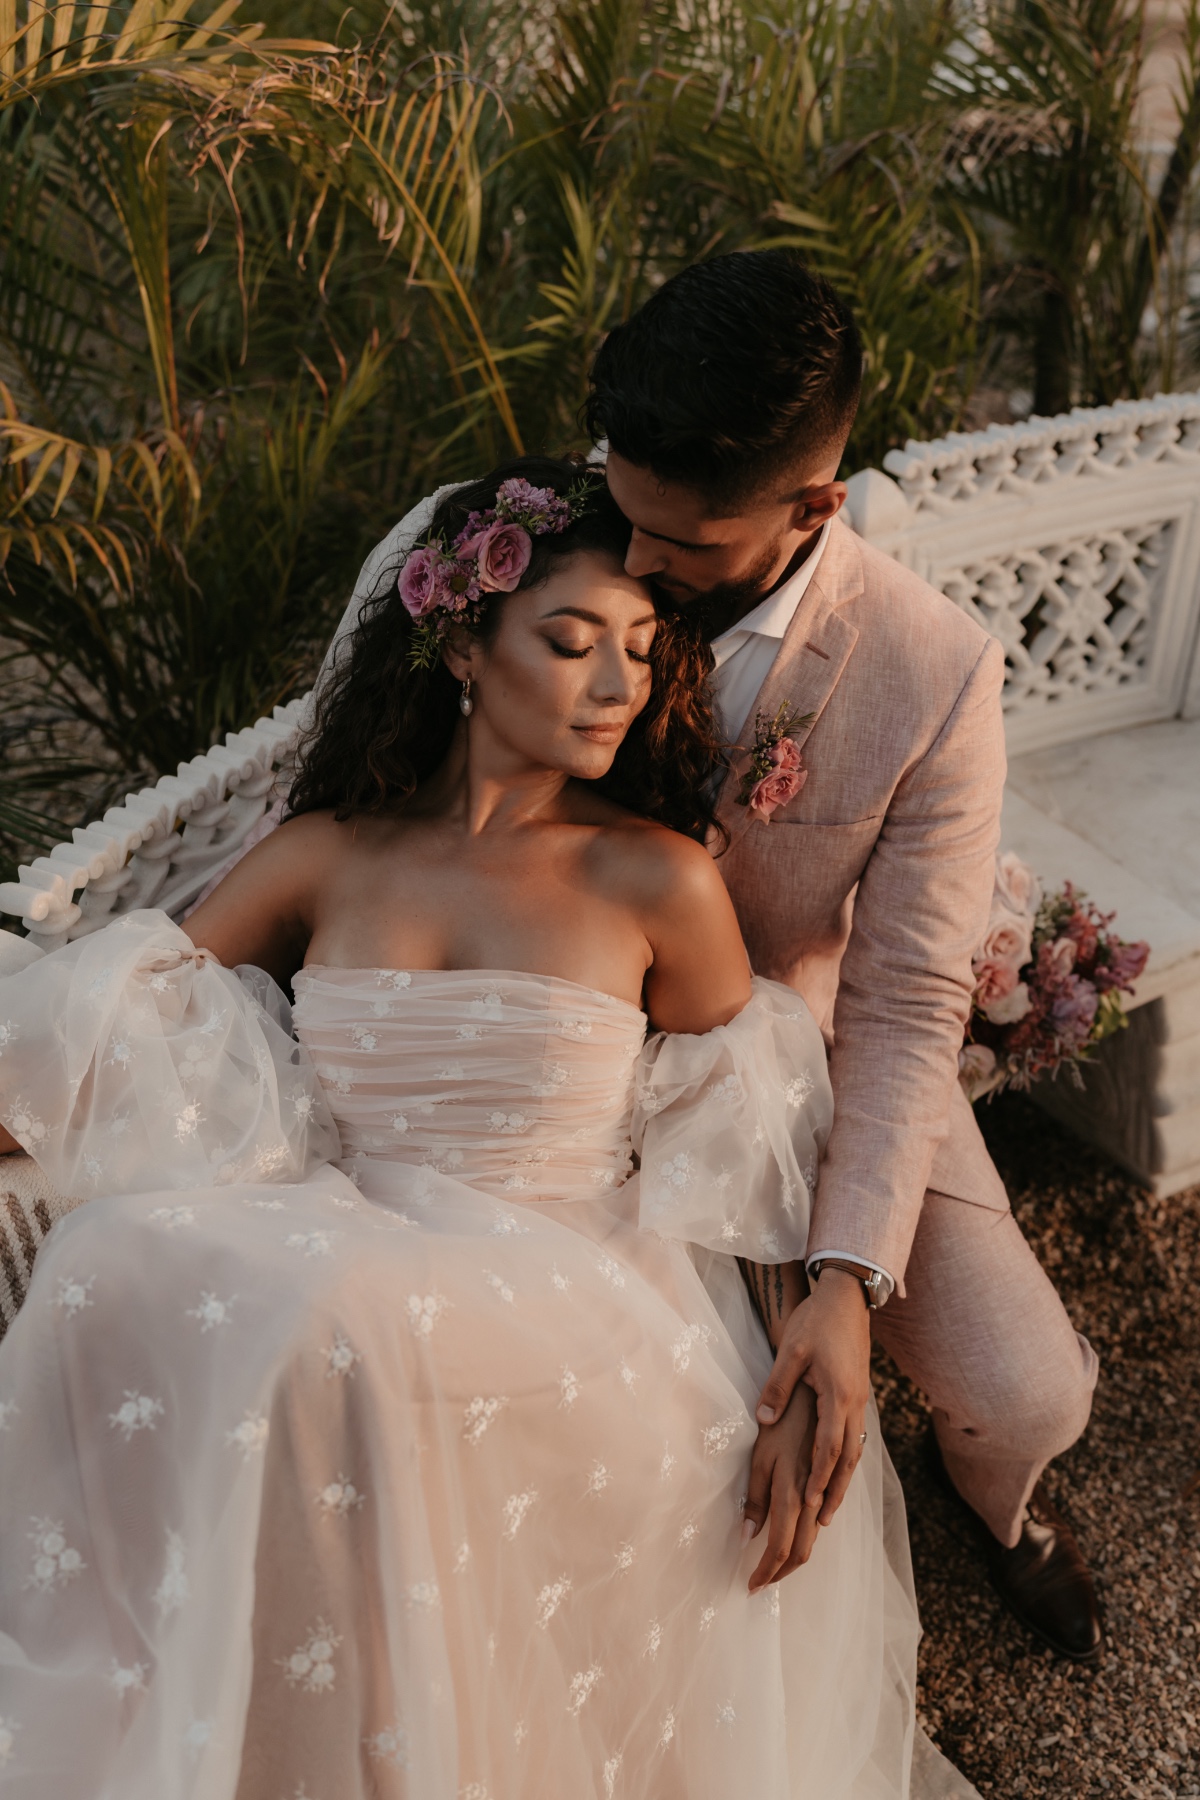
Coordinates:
738	374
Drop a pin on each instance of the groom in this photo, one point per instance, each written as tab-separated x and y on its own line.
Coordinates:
726	403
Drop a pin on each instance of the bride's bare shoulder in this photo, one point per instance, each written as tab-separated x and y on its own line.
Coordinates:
660	866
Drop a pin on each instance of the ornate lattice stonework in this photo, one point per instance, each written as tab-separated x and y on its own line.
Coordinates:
1076	542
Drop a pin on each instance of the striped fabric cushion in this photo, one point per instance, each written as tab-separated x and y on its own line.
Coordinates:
29	1207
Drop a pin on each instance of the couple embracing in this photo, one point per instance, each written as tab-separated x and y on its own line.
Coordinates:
467	1396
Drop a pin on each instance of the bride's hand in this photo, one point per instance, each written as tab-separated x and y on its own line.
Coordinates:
779	1468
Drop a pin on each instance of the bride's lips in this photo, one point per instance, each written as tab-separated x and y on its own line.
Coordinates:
601	734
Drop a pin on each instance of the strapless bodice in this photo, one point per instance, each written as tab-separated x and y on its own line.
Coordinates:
518	1084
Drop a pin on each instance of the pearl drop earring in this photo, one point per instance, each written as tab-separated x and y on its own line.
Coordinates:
466	705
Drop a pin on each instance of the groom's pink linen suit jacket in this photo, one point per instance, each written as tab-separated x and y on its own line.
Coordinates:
869	891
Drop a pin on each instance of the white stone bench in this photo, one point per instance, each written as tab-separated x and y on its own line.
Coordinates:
1076	542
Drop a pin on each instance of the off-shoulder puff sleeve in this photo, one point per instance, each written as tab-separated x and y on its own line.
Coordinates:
730	1127
130	1061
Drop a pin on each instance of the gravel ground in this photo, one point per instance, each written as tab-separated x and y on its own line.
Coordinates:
1016	1720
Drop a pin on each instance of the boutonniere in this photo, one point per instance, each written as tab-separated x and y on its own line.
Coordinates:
777	772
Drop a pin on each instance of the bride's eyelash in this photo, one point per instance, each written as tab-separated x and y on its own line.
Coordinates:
562	650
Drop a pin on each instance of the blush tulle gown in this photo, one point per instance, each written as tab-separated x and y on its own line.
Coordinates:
375	1433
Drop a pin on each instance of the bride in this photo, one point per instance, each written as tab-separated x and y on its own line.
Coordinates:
384	1426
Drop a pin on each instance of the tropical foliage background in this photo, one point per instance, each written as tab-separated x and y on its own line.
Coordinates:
269	271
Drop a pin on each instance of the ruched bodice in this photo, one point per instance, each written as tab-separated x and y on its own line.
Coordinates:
520	1084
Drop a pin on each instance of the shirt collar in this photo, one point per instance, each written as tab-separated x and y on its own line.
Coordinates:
772	616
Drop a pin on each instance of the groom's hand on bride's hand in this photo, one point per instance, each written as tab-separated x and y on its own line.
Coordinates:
774	1495
826	1346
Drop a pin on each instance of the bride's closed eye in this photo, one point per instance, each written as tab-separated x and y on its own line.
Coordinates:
565	650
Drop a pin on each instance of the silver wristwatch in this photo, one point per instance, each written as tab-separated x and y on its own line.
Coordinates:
876	1286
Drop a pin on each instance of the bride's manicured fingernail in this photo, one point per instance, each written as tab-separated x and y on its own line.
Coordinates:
766	1415
748	1530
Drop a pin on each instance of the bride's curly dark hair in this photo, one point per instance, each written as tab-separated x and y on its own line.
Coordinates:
381	726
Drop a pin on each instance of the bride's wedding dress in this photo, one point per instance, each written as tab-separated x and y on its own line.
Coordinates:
375	1434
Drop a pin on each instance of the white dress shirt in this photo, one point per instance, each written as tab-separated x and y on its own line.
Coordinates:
743	656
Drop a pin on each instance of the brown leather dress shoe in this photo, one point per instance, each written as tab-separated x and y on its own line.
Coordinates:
1043	1579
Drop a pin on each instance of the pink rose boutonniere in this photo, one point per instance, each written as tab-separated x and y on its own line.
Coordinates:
776	773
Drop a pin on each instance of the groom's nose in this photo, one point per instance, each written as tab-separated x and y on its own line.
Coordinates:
646	556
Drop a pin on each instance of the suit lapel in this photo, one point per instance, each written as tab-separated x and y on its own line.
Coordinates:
815	650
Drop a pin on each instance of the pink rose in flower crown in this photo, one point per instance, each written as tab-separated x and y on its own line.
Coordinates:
502	553
420	589
786	777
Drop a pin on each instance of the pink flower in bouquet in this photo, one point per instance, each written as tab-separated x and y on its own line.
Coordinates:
1018	889
1009	1008
502	553
1056	959
786	777
419	587
1001	957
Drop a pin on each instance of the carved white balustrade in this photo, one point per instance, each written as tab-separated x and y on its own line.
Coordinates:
160	846
1076	542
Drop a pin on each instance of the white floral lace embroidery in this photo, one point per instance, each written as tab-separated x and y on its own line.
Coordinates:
424	1311
121	1053
719	1437
728	1091
54	1561
629	1377
560	1281
137	1412
768	1243
653	1644
188	1120
173	1217
729	1232
771	1598
611	1270
612	1769
341	1357
250	1436
474	1790
390	1746
709	1613
364	1039
568	1388
582	1684
554	1077
398	979
667	1464
212	1312
505	1222
726	1714
508	1123
798	1089
313	1243
677	1172
479	1414
337	1498
425	1594
462	1558
198	1735
128	1681
624	1558
688	1534
514	1510
574	1028
73	1295
174	1588
551	1598
488	1006
687	1341
598	1479
666	1731
311	1666
498	1284
520	1733
26	1126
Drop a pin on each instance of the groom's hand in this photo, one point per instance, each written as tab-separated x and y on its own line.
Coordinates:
826	1343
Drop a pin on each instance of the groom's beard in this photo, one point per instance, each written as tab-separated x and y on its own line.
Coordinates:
714	611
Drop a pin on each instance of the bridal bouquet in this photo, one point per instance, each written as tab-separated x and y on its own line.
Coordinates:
1049	977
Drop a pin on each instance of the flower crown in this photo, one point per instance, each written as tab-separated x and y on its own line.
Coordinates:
441	587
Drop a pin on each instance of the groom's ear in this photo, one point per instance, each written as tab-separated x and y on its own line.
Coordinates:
814	505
